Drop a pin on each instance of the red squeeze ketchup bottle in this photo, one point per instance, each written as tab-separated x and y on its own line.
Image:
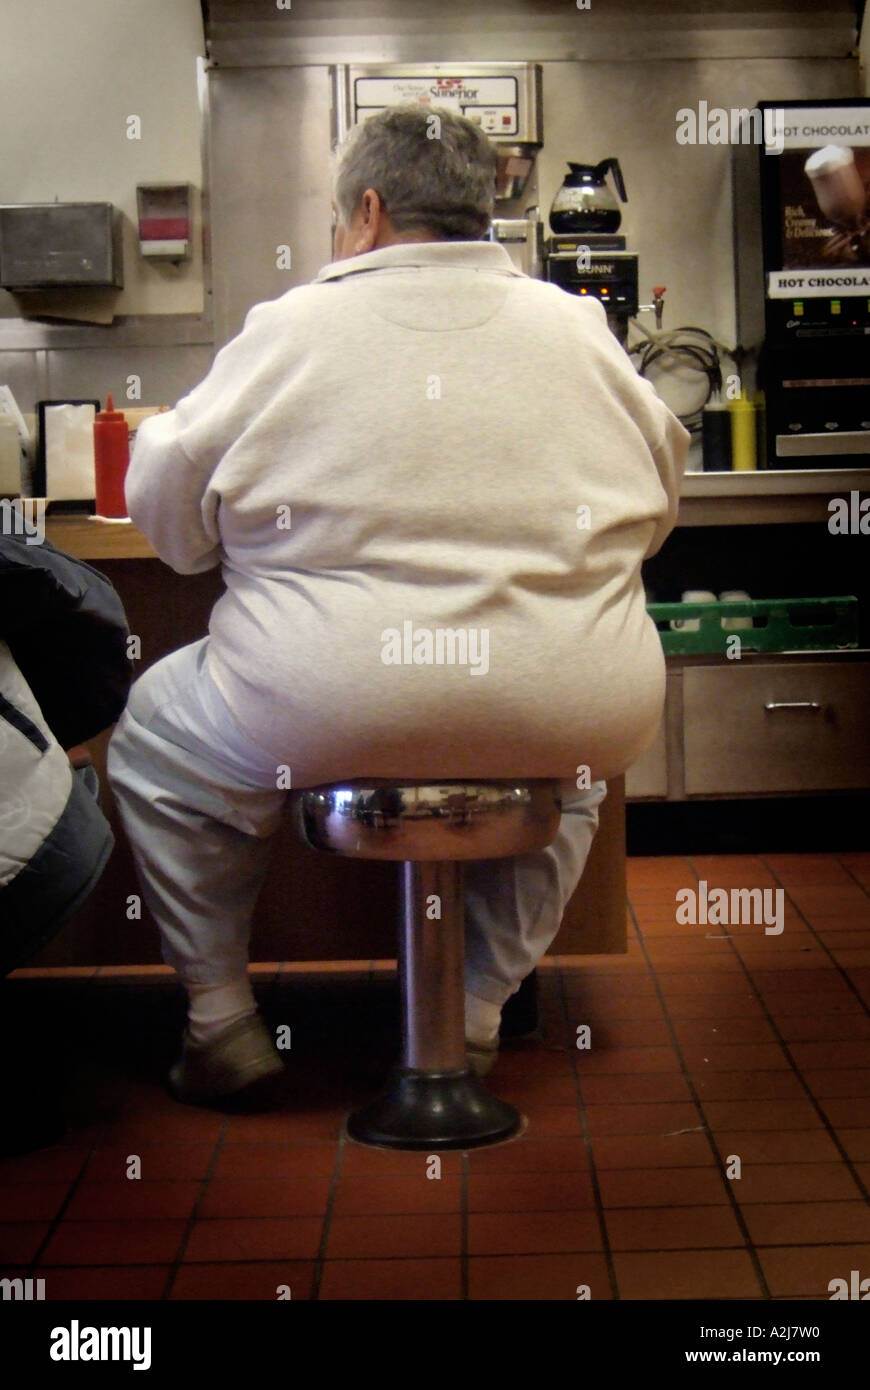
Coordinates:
111	457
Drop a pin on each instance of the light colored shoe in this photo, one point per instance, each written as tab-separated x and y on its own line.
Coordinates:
481	1057
241	1064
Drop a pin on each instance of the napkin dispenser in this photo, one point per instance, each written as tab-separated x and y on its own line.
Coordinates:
64	469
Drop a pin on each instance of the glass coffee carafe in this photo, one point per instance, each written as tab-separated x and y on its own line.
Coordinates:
585	202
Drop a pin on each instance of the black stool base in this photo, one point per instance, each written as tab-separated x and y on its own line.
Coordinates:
430	1110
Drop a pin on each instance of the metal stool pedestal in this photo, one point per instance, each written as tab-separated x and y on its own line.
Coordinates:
432	1099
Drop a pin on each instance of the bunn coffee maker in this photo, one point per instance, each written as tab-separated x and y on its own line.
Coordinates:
585	256
815	280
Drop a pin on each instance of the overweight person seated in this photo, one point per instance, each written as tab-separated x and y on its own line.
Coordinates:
430	482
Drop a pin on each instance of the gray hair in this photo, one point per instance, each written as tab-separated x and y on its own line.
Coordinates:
435	176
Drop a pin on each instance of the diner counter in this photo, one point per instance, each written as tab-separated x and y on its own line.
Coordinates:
708	499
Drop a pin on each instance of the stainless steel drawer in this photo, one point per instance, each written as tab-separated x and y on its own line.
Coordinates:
778	728
649	775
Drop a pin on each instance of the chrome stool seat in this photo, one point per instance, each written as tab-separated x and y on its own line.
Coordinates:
433	1100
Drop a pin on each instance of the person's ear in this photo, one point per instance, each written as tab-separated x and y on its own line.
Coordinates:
371	219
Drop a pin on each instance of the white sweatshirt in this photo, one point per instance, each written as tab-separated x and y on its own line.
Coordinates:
430	482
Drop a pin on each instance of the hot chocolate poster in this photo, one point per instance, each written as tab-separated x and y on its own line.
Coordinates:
825	202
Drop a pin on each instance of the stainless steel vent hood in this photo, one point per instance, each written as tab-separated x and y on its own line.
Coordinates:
251	33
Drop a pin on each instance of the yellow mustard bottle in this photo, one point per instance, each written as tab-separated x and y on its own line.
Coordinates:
743	445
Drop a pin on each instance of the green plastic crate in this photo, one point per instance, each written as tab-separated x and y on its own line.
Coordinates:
778	625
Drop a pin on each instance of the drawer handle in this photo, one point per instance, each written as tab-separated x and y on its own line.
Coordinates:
792	704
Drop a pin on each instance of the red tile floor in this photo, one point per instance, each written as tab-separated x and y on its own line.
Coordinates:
713	1141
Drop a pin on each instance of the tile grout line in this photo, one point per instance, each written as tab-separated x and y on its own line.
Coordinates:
449	1259
854	877
320	1258
587	1139
735	1206
463	1226
59	1214
192	1218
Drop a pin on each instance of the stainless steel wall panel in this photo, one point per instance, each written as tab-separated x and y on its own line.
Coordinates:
147	330
166	373
270	182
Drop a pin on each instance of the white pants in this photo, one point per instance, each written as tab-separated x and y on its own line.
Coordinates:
199	805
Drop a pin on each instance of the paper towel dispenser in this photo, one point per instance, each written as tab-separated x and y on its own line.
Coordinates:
46	246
